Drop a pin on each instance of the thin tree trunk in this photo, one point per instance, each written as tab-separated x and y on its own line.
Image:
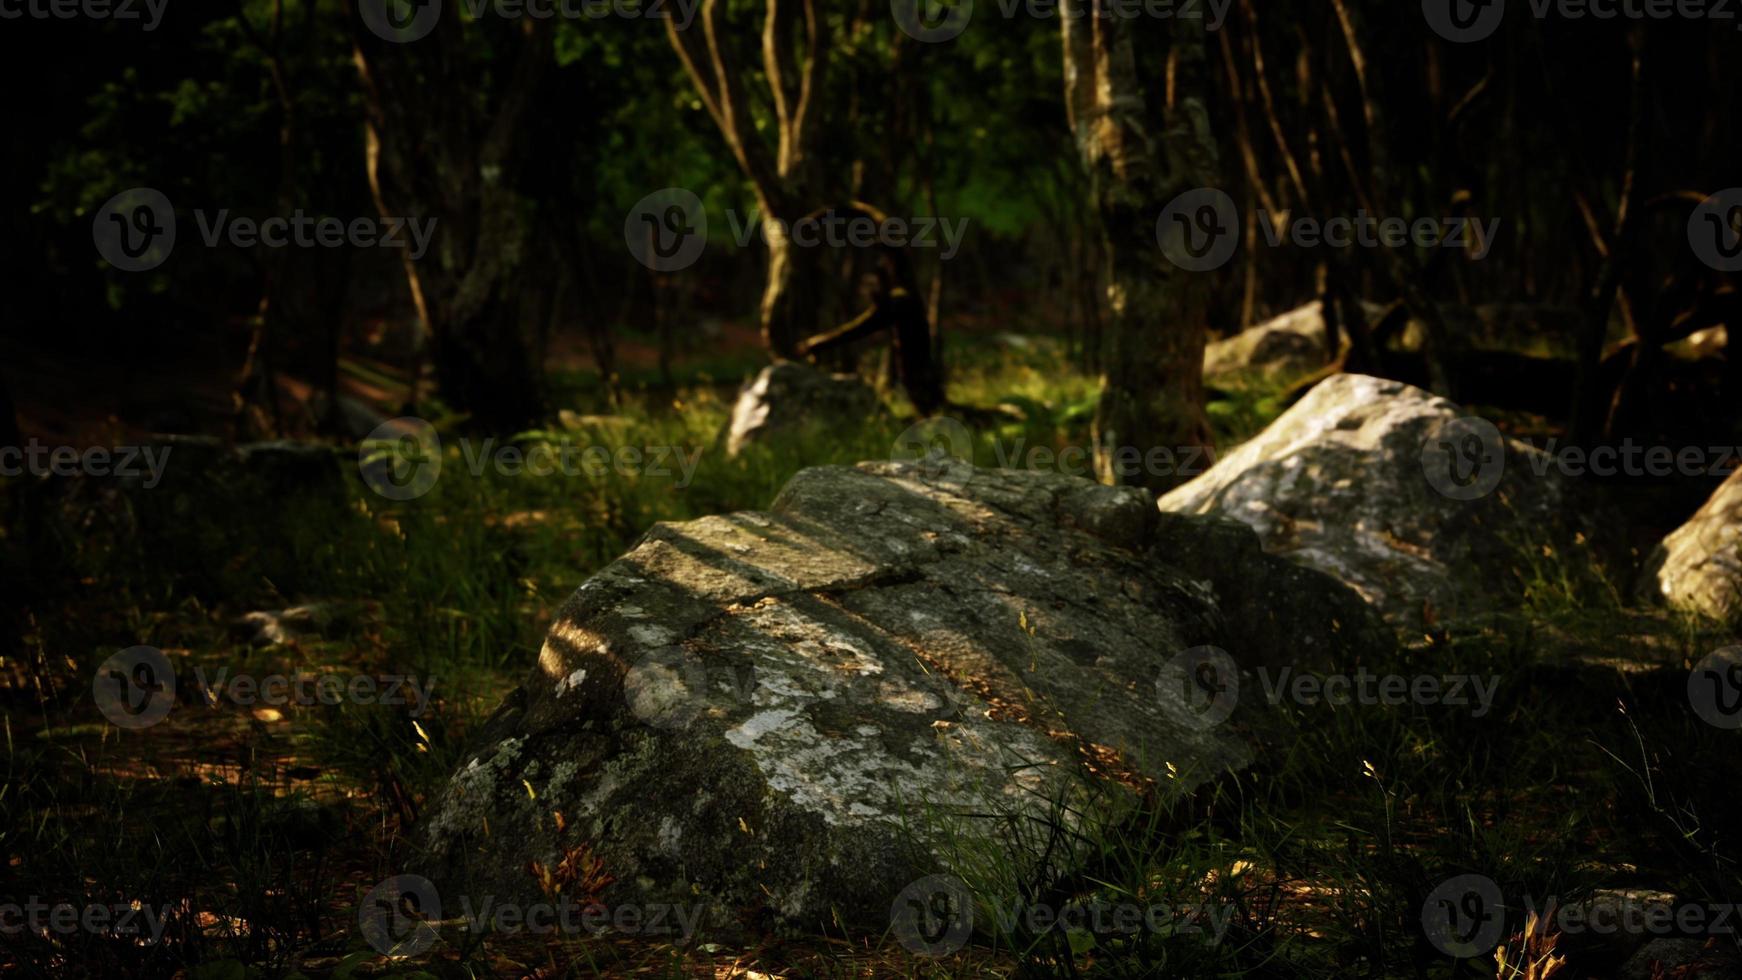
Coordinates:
783	175
1385	197
475	288
258	381
1590	407
1152	392
788	300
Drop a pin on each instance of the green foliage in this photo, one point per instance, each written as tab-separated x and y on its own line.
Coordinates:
1319	856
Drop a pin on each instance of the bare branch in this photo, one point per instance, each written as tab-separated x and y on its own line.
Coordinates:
804	126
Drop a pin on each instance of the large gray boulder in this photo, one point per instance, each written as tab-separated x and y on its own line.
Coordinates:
1428	514
1699	566
742	712
789	396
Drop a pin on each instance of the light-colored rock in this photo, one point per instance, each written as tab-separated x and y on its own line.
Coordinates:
313	620
1710	342
1376	483
1699	566
272	627
789	396
743	711
1293	343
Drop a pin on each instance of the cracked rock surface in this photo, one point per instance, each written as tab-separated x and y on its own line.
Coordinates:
769	715
1397	493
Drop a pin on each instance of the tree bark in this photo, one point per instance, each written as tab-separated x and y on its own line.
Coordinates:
788	308
1152	391
1589	409
433	158
898	309
782	175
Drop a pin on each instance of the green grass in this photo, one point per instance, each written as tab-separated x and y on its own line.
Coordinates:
1582	776
1323	853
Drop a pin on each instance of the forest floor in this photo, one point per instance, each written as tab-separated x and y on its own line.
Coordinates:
260	828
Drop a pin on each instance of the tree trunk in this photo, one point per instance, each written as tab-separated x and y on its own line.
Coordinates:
788	302
1589	410
896	307
1152	392
783	172
432	159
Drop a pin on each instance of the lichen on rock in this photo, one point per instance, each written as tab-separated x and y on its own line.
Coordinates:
761	713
